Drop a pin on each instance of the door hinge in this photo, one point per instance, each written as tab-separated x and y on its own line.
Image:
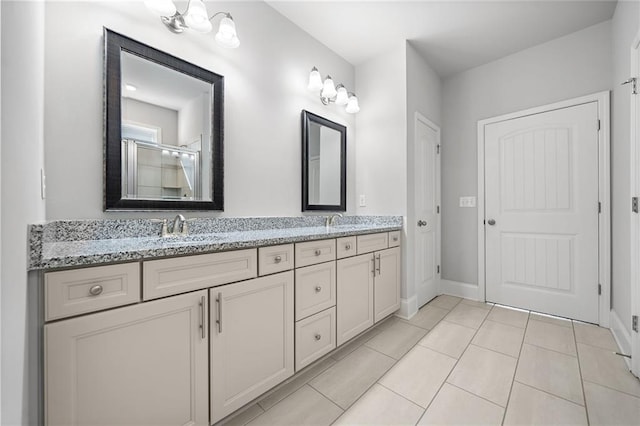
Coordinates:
437	209
438	269
599	207
634	84
599	289
634	323
634	204
598	124
438	149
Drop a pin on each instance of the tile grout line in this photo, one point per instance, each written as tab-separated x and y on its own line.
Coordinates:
395	361
584	394
612	389
435	395
549	393
515	371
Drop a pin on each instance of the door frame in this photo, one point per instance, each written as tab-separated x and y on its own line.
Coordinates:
411	216
634	189
604	193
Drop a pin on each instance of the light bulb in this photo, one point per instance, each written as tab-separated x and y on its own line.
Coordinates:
226	36
342	98
161	7
352	105
328	89
315	81
196	17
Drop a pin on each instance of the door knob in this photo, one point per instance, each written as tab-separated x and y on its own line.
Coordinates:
491	222
422	223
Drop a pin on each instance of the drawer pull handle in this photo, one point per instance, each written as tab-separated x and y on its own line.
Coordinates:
318	289
277	259
318	252
318	336
347	247
395	238
96	290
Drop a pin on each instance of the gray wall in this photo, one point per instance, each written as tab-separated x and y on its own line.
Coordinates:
624	29
565	68
22	157
424	95
265	90
153	115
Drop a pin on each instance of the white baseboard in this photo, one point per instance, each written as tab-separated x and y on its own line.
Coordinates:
460	289
408	308
621	335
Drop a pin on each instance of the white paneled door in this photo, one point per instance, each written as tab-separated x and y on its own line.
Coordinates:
541	212
426	196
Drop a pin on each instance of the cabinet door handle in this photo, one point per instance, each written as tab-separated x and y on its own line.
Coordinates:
347	247
277	259
395	238
318	289
373	266
203	332
378	268
95	290
318	252
219	319
318	336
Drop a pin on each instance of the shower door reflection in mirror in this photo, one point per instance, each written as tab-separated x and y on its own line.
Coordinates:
165	119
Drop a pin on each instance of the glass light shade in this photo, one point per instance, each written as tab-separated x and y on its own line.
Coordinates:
161	7
315	81
226	36
328	89
352	105
196	17
342	98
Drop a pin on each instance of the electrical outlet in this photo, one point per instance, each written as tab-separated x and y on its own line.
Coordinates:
363	201
467	201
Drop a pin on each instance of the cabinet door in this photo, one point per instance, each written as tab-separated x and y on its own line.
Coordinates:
251	340
387	282
354	312
140	365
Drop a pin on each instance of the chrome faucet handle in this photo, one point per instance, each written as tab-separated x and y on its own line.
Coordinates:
185	226
164	232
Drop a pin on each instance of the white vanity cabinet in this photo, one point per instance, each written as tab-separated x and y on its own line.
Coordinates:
252	332
205	334
355	296
146	364
386	285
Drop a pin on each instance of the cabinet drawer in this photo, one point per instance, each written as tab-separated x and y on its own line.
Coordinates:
394	239
315	252
315	337
372	242
80	291
275	259
345	247
178	275
315	289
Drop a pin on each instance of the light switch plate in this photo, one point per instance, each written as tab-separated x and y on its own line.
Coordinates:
467	201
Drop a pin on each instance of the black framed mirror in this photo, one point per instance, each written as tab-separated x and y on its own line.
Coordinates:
163	130
324	164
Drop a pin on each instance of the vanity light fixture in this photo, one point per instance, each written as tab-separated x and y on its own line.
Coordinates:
196	18
329	92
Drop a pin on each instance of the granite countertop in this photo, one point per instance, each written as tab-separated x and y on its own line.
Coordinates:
64	244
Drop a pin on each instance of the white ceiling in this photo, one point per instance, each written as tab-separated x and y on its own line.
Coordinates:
451	35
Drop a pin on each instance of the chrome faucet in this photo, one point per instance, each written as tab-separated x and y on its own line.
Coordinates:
179	221
330	220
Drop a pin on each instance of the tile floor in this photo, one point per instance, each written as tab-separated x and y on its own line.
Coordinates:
459	362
